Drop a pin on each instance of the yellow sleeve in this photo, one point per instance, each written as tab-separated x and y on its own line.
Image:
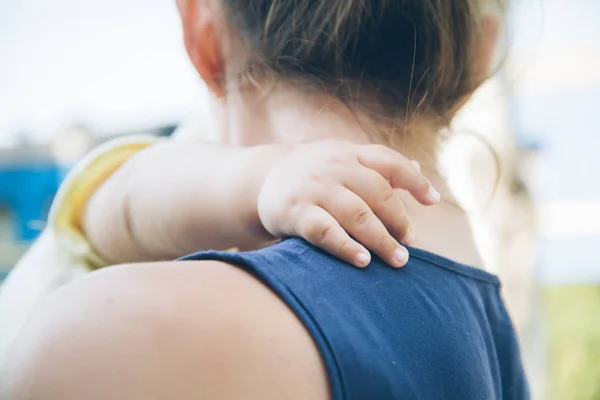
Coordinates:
82	181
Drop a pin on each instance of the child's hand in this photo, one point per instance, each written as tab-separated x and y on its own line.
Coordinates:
328	190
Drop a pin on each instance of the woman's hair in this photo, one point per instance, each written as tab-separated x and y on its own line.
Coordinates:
405	58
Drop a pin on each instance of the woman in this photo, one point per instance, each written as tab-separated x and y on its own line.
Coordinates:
290	321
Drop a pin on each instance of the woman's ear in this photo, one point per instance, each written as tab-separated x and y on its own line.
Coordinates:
487	44
203	41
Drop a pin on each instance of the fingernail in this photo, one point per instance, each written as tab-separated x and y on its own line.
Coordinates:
362	259
401	256
409	238
433	195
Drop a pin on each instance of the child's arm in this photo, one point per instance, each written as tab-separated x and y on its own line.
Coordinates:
176	198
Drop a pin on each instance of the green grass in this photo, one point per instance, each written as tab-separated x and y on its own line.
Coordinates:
573	322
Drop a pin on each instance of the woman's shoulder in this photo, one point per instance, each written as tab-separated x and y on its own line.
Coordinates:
178	328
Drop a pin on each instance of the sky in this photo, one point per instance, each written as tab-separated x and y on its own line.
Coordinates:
555	77
113	64
556	83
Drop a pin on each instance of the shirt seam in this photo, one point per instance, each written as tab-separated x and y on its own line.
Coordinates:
491	280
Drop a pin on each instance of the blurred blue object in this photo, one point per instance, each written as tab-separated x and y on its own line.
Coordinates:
27	190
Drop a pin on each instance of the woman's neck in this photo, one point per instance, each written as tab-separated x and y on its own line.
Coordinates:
289	119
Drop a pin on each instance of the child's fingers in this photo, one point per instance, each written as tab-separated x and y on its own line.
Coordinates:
402	227
416	164
355	216
400	171
379	195
318	227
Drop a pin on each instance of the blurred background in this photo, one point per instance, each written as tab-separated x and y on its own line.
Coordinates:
75	73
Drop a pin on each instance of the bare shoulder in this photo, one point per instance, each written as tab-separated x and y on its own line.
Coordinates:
161	331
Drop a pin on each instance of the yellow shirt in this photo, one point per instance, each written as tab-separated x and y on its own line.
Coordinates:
67	214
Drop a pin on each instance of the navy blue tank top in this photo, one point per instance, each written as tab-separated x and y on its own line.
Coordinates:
434	330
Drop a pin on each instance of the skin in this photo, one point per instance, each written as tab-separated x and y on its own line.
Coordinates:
145	343
174	330
156	206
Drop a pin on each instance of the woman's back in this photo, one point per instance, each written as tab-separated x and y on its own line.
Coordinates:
435	329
